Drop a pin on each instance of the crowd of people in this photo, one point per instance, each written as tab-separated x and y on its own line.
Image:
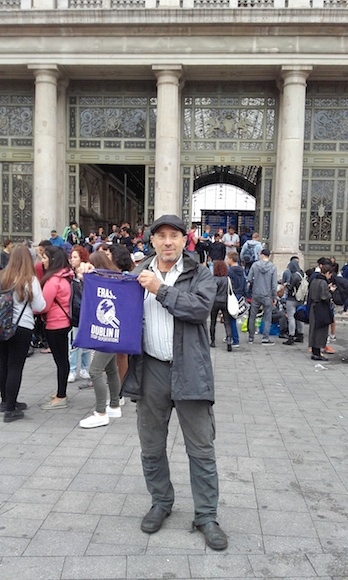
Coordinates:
185	277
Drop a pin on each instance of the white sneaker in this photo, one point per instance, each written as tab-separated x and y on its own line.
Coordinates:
122	401
114	412
95	420
71	377
84	374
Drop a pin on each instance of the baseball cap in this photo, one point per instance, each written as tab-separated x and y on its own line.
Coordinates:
169	220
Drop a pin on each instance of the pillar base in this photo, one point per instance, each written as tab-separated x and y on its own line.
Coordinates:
281	259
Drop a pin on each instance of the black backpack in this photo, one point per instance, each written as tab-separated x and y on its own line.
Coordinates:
75	301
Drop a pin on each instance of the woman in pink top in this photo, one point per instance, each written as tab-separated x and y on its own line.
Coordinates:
56	289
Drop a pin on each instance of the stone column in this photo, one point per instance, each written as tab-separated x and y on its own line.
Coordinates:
62	193
287	203
167	172
45	151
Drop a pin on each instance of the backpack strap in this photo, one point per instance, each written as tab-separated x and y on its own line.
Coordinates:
61	307
21	314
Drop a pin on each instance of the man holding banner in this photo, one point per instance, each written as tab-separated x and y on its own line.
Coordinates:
175	371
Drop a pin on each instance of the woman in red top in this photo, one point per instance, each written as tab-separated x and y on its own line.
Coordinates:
56	289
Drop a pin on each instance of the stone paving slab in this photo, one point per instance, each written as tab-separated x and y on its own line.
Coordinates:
71	500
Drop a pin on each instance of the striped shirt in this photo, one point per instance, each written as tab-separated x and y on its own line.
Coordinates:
158	322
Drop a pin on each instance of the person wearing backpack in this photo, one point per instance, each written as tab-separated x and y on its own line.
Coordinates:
291	279
56	288
19	275
250	252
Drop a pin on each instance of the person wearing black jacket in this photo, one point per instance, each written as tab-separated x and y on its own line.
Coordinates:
220	303
217	250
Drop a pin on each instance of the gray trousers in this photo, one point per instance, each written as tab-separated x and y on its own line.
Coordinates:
197	423
294	324
105	362
267	303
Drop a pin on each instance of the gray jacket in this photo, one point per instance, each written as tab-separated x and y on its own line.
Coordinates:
263	277
189	301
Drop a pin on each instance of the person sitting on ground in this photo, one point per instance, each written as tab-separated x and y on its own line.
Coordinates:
72	234
56	240
141	247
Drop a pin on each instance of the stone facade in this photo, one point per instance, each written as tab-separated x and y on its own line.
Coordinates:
171	85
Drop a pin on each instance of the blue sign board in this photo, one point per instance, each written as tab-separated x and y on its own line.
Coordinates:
217	218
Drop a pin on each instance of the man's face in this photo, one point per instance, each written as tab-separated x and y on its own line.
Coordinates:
231	231
54	235
168	243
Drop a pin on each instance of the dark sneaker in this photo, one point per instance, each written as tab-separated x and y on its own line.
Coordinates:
267	341
214	535
20	406
13	416
251	339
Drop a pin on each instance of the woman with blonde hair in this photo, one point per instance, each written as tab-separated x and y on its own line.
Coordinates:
19	275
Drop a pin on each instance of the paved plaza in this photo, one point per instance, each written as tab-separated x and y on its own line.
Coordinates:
72	500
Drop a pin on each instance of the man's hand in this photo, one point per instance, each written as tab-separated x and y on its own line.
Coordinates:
149	281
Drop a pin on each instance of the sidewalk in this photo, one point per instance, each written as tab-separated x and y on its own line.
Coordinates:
72	500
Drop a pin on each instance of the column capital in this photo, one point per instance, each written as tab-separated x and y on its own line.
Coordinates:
301	72
167	72
45	72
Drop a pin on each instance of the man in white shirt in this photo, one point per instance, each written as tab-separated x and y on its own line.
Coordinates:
175	371
231	240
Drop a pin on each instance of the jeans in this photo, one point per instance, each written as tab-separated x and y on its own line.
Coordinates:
13	353
74	354
197	423
234	326
267	303
103	361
